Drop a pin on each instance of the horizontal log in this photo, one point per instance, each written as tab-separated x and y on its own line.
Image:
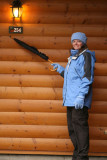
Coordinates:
95	146
31	93
100	82
42	42
98	107
100	69
101	56
41	68
37	144
58	119
44	17
58	6
25	55
13	105
43	81
97	94
32	80
42	131
97	133
33	144
38	118
62	18
65	6
53	54
10	67
94	120
43	93
59	30
35	131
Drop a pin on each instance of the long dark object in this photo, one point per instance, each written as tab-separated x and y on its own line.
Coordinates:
32	49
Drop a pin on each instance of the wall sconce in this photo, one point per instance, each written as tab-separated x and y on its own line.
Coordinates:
17	8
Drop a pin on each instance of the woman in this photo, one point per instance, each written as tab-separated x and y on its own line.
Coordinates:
77	93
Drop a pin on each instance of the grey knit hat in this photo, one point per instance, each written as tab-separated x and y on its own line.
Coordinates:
80	36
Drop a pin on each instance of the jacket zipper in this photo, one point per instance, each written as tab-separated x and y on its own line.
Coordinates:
66	79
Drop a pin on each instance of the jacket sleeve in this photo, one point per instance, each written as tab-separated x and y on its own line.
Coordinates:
62	74
88	76
61	70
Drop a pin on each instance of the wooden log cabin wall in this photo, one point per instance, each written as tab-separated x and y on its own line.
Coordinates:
32	119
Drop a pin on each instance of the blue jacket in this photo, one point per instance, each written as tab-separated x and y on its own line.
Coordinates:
78	77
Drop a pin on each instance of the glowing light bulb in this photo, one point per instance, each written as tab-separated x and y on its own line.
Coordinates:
15	12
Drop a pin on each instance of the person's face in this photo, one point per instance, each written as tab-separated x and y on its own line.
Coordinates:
77	44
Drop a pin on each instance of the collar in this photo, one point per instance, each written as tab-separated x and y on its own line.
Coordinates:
74	52
76	55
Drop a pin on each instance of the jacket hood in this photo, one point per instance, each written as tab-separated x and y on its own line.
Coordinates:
92	53
74	52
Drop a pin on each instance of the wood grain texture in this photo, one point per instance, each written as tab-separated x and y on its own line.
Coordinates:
94	43
37	144
57	17
56	55
32	118
50	106
58	30
39	118
54	81
44	131
41	68
43	93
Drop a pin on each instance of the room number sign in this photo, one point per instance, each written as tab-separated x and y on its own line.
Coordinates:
18	30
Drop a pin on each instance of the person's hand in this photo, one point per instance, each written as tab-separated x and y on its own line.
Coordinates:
79	102
56	66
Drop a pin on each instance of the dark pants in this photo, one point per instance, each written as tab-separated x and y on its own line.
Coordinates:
79	132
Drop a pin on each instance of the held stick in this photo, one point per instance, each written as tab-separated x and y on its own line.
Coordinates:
34	50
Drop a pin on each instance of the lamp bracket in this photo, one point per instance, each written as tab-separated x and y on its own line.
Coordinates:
16	3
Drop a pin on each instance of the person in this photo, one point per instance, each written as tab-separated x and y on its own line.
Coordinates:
77	93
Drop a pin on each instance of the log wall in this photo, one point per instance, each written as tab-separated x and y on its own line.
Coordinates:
32	119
